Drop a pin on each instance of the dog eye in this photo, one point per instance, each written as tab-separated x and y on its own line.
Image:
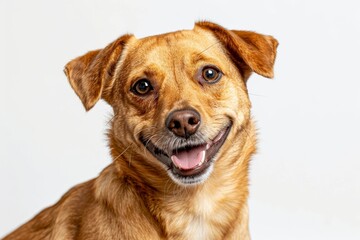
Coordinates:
211	74
142	87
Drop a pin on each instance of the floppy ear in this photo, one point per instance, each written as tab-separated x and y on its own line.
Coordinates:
91	75
250	51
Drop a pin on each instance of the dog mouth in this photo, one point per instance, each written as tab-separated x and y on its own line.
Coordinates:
190	160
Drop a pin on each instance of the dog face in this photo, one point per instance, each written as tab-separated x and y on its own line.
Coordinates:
179	98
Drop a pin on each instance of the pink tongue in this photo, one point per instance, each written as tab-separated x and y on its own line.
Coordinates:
187	160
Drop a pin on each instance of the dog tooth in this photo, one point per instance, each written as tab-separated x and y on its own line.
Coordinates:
203	159
218	137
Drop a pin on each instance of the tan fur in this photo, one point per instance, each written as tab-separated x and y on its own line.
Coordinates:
134	197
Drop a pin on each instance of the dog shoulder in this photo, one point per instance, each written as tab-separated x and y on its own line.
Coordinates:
101	208
59	218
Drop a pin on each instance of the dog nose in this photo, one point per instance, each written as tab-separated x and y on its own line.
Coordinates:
183	123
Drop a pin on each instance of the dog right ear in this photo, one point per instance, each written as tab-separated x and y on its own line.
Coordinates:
91	75
250	51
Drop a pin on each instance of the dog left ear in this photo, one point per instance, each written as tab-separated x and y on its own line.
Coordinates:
250	51
91	75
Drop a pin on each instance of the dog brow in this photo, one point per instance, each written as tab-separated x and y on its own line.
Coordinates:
152	70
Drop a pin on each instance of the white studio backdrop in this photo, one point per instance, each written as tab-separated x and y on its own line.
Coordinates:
305	181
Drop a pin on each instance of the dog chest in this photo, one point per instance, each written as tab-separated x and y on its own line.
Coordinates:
203	217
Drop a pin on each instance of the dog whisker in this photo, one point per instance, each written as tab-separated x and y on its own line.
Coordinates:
246	132
258	95
123	152
212	45
167	187
159	140
111	119
141	130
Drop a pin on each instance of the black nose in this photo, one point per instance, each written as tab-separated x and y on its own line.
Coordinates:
183	123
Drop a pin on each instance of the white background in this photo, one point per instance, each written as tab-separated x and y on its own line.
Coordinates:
305	181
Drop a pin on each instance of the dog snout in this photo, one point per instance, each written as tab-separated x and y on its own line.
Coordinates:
183	123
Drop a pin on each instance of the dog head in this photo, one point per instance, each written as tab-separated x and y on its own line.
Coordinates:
179	99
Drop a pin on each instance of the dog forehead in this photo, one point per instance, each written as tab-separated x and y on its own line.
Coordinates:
179	38
174	45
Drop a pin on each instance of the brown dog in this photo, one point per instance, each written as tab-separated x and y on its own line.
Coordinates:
181	138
